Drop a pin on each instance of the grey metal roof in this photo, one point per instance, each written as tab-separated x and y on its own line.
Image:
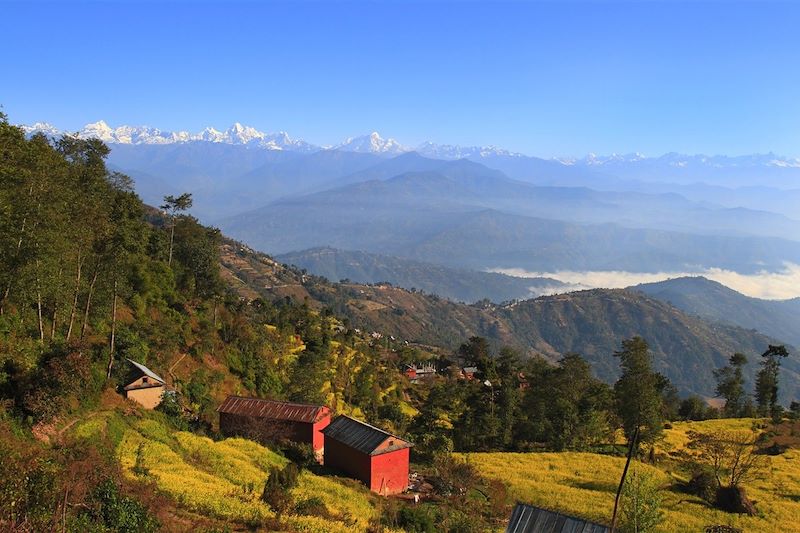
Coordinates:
273	409
362	436
529	519
146	371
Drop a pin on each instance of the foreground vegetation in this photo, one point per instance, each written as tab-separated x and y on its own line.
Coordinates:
584	484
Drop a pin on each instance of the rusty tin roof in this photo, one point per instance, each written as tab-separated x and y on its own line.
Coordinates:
273	409
362	436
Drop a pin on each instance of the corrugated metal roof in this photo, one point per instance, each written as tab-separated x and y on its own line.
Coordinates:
529	519
273	409
362	436
146	371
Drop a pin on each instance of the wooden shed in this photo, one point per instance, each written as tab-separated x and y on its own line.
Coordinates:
369	454
144	386
529	519
270	420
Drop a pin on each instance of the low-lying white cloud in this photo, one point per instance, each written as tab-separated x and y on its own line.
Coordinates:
778	285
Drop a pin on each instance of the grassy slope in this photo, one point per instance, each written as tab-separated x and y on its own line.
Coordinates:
223	479
584	484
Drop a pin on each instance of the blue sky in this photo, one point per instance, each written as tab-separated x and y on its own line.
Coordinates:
552	78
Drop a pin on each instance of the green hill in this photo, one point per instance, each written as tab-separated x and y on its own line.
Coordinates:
686	348
711	300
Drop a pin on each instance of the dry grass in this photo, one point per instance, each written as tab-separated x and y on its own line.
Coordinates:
583	484
224	479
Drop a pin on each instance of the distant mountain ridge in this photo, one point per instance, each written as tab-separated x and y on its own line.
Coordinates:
456	284
239	134
713	301
465	215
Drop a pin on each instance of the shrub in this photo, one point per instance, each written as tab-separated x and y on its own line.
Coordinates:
417	519
121	513
641	504
279	483
733	499
703	484
312	506
170	405
300	453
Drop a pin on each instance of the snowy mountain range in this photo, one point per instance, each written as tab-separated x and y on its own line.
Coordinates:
136	135
373	143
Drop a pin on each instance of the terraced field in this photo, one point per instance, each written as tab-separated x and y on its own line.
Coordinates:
224	479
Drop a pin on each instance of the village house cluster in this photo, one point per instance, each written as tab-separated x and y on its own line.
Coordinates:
375	457
362	451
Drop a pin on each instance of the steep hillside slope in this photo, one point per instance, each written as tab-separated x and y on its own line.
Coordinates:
712	300
687	349
456	284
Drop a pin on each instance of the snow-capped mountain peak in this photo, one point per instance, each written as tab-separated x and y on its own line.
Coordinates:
236	134
372	143
451	151
42	127
240	134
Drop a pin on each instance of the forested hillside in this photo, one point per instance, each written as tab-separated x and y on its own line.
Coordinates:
91	277
711	300
686	349
456	284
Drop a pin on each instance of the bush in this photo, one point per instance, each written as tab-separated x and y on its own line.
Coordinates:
121	513
703	484
641	502
417	519
312	507
277	487
734	500
171	407
300	453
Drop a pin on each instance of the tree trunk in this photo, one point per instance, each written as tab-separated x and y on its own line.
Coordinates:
54	317
171	240
7	290
39	303
113	331
88	303
74	308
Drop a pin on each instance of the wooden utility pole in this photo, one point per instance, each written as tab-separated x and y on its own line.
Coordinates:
631	447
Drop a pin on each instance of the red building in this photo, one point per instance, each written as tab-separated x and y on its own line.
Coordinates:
371	455
270	420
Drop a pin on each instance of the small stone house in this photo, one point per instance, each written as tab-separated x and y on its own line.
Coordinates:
144	386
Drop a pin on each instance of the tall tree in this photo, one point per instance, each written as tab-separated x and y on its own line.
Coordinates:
767	380
175	205
637	392
730	385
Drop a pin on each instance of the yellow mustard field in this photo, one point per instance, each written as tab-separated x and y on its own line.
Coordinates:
584	484
224	479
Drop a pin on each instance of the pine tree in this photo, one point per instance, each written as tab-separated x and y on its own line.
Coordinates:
767	380
637	395
730	385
